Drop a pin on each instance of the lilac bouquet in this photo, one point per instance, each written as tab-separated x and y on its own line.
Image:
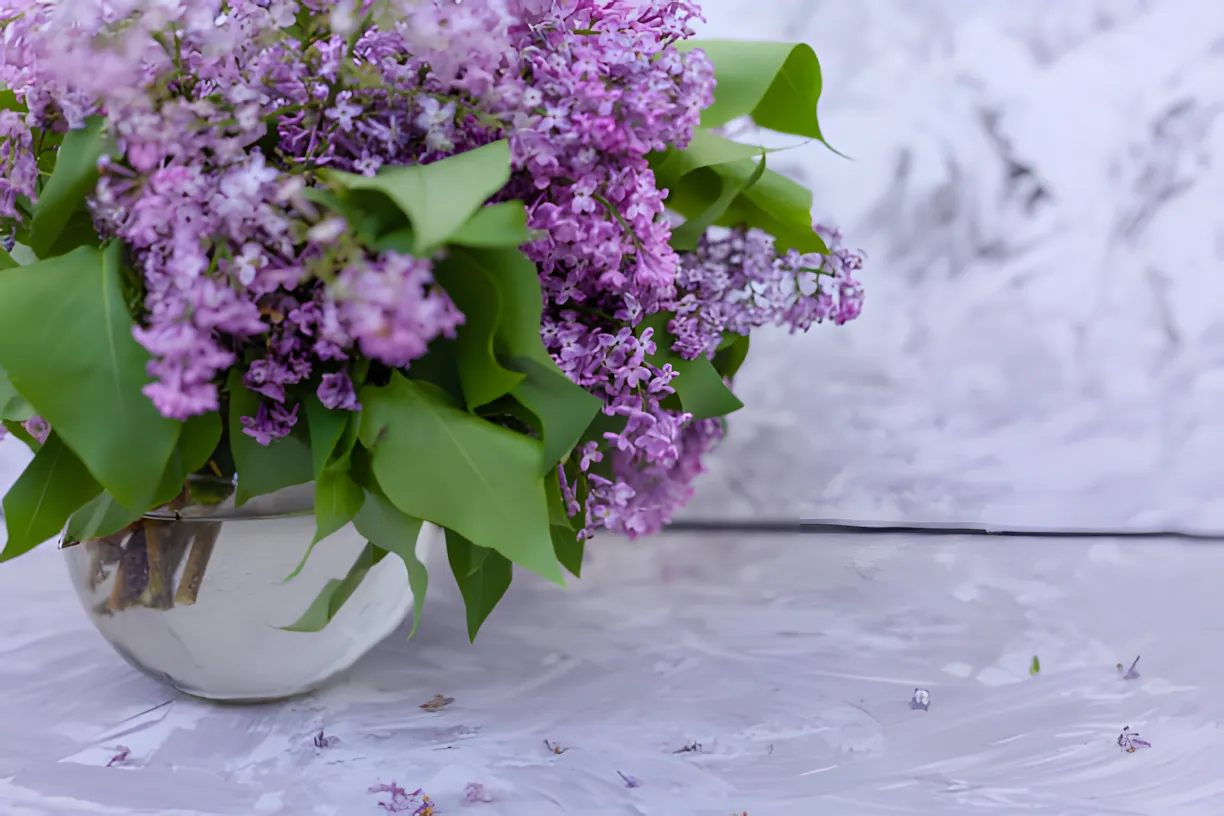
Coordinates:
487	264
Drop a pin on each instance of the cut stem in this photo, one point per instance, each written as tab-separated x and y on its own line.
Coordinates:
197	563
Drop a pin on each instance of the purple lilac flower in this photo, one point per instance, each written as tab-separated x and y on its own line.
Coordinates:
475	793
38	428
240	267
415	802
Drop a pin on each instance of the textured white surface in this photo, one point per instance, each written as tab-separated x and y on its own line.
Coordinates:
1030	359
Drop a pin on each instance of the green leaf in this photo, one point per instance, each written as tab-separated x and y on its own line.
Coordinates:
568	548
18	430
440	197
495	226
335	592
9	101
338	499
7	261
53	486
729	358
777	84
686	236
104	515
564	408
437	462
66	342
483	578
262	469
13	406
475	291
701	390
706	149
326	428
75	176
386	527
440	367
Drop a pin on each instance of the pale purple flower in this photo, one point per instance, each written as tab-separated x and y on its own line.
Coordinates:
475	793
38	428
238	266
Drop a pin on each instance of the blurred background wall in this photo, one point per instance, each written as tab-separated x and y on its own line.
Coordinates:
1039	190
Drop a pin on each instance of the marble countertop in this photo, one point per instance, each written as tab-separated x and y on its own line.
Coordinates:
1038	187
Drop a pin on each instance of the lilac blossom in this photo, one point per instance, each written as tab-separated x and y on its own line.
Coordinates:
223	114
475	793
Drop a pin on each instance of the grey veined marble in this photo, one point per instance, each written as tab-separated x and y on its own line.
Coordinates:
1039	188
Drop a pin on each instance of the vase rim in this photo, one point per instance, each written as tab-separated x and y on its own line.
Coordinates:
295	500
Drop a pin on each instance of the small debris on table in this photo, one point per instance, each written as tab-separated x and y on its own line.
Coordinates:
321	740
416	803
920	700
1129	674
691	748
121	757
1035	667
630	781
1129	741
554	748
475	793
438	703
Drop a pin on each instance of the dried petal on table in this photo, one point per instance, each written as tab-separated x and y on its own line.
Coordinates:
630	781
1035	667
554	747
321	740
438	703
691	748
475	793
920	700
1129	741
417	802
1131	673
120	758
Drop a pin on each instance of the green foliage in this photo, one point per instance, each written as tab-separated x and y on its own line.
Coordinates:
395	532
699	386
483	576
777	84
438	462
474	290
717	182
495	226
105	515
731	187
569	550
731	355
438	198
336	591
500	350
262	469
58	226
53	486
13	406
66	343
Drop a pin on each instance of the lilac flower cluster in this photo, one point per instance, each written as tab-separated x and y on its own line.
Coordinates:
225	111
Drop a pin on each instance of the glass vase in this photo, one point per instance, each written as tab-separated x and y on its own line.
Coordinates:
199	596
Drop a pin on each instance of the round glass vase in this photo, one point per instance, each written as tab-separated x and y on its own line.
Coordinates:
197	596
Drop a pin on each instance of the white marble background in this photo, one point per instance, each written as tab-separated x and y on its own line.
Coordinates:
1039	187
1038	184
